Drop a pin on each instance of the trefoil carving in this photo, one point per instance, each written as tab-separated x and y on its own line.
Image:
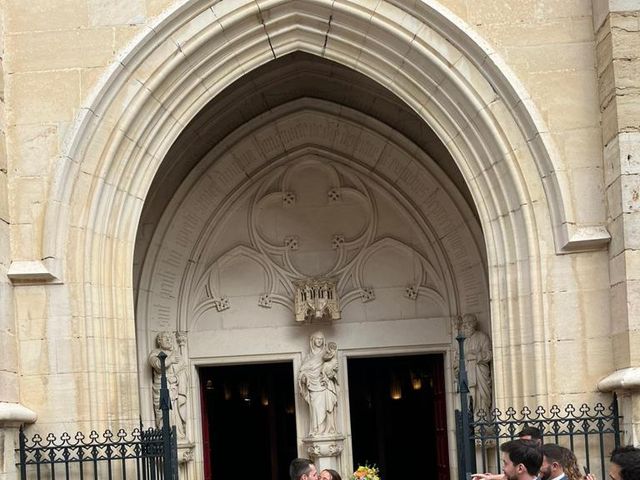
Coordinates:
334	195
288	199
291	242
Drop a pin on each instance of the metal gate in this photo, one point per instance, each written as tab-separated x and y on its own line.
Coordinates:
144	454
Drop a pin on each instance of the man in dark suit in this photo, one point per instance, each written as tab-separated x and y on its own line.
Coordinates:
302	469
521	460
551	468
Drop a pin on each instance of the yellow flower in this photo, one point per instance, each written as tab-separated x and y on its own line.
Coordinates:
365	472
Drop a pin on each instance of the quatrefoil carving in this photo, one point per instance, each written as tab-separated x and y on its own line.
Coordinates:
291	242
334	195
288	199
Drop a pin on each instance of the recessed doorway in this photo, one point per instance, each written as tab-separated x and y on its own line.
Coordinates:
398	414
248	419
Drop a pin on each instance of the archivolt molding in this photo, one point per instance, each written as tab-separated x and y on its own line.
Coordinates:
569	235
422	52
418	50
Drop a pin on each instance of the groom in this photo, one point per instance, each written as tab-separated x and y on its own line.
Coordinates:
302	469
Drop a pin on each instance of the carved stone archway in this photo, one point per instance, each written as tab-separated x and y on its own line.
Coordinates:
419	51
311	189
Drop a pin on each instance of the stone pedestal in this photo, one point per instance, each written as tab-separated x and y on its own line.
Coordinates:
626	384
325	451
12	415
186	465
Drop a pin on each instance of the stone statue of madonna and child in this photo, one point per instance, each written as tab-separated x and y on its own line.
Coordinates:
318	383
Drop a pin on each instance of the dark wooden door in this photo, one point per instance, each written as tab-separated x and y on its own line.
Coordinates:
248	408
440	420
397	409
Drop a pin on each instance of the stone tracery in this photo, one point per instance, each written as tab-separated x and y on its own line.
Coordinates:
342	251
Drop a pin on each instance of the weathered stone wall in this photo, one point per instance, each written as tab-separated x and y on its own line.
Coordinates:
617	24
8	355
549	46
58	51
581	79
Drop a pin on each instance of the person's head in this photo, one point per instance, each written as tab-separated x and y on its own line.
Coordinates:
302	469
552	465
469	324
521	459
625	463
570	464
531	433
328	474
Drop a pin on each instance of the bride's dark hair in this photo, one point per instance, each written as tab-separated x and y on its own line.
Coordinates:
334	475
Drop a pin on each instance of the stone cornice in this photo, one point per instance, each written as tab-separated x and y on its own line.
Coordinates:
623	379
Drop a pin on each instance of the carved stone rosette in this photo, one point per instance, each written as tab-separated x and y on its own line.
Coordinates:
324	447
316	298
325	452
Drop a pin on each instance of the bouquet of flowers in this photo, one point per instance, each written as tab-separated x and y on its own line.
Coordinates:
365	472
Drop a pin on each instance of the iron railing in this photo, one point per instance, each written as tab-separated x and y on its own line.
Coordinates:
590	432
144	454
138	455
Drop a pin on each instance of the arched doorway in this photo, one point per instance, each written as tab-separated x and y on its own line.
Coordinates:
420	53
310	188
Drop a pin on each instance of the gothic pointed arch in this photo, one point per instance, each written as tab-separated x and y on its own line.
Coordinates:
419	51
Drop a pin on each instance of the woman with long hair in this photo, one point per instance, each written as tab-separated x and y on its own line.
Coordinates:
328	474
569	464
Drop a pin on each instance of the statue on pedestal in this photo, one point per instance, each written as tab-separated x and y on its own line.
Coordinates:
318	383
477	361
177	380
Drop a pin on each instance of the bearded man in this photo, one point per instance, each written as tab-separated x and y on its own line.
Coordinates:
552	468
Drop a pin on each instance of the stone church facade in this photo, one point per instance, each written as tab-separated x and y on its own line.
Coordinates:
242	174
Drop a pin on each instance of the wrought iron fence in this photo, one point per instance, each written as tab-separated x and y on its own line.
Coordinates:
138	455
590	432
150	454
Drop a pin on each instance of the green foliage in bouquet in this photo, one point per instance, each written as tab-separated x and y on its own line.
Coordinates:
365	472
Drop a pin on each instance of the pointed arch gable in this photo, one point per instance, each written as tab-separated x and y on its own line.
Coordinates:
419	51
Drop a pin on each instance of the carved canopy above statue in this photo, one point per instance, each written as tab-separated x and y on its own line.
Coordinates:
316	299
